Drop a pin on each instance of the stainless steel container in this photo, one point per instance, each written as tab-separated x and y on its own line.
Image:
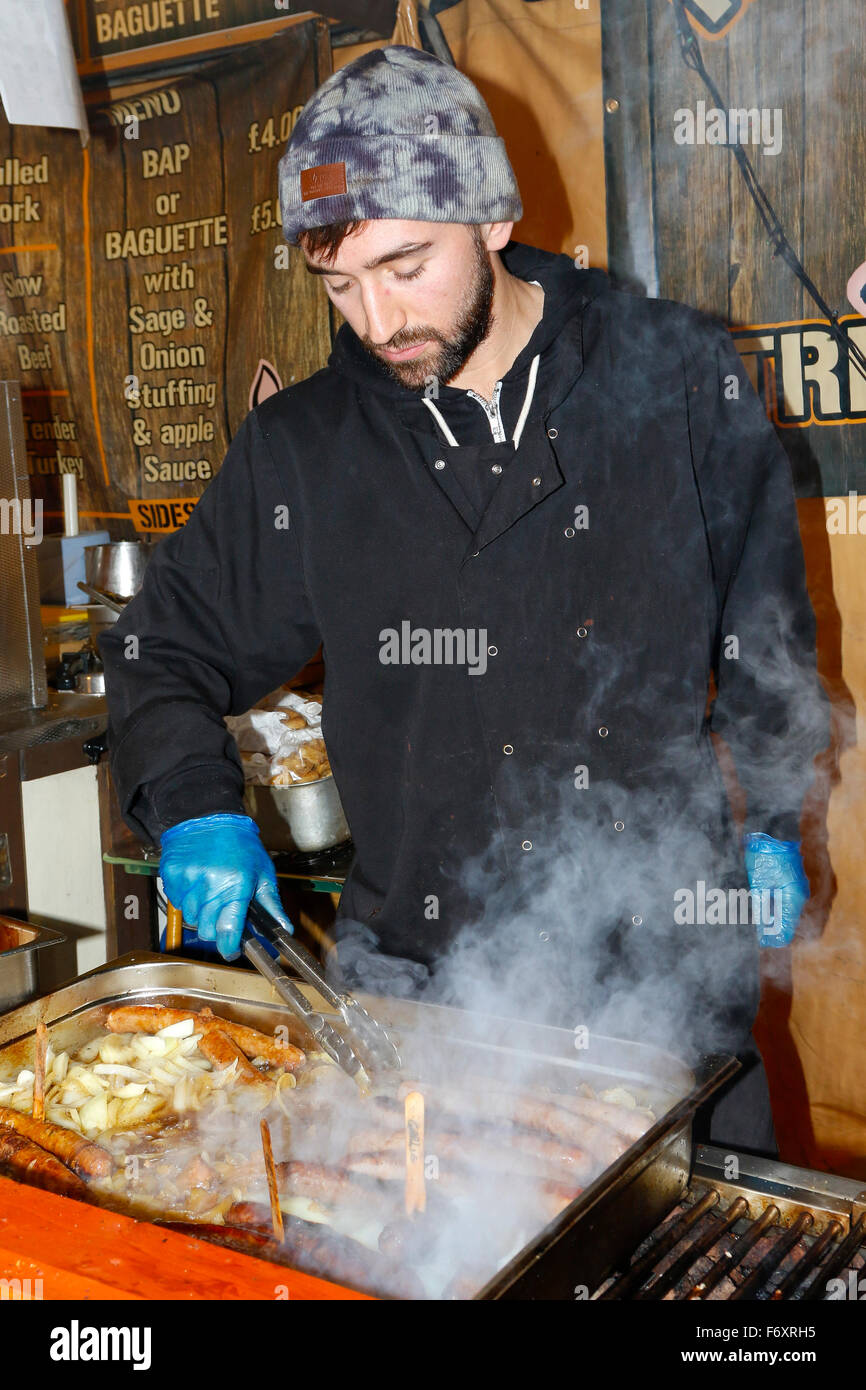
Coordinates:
306	816
90	683
19	942
587	1239
117	568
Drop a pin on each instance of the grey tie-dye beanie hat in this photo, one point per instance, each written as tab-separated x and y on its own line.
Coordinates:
396	134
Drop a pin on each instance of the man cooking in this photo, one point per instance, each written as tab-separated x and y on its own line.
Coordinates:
533	522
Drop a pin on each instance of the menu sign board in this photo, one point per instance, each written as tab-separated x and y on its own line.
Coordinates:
106	28
147	297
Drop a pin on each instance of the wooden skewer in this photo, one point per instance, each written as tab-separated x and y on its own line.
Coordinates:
39	1072
273	1193
416	1195
173	928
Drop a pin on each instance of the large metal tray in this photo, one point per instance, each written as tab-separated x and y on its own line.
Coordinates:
574	1252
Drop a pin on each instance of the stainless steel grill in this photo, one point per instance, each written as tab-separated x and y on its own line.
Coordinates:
752	1229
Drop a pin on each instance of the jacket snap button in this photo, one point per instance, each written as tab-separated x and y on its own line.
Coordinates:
569	531
544	936
475	554
581	632
619	825
508	749
440	463
602	733
637	920
536	482
527	844
492	651
551	434
497	468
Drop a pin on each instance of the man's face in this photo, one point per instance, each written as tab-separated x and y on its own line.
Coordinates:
418	295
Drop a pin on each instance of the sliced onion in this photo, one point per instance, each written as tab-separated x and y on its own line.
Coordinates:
178	1030
166	1073
118	1069
94	1112
72	1093
618	1095
93	1085
131	1089
188	1065
116	1048
61	1066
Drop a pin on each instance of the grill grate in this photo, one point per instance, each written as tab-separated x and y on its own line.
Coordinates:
758	1238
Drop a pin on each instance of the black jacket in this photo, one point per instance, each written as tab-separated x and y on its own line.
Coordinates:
551	793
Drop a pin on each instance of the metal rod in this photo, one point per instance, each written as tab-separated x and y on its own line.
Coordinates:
773	1259
100	597
839	1260
639	1272
720	1224
737	1253
812	1257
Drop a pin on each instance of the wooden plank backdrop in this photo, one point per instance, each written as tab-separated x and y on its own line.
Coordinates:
682	225
802	66
144	354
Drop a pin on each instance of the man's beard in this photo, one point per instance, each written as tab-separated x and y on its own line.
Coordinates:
446	355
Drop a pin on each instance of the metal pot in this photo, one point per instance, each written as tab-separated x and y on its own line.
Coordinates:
306	816
118	567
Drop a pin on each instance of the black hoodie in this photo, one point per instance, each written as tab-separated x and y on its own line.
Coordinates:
516	698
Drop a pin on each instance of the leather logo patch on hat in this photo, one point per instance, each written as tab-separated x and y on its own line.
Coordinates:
322	181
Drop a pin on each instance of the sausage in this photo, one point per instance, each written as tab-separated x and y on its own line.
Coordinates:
253	1216
26	1160
80	1154
317	1250
527	1155
549	1196
332	1186
631	1124
222	1051
149	1018
381	1164
197	1173
490	1105
254	1043
312	1250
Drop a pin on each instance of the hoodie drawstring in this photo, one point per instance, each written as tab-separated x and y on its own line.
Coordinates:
521	421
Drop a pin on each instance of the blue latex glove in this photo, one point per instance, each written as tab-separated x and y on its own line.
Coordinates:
212	867
776	865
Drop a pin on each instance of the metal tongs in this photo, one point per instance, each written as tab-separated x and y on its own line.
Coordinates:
368	1043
